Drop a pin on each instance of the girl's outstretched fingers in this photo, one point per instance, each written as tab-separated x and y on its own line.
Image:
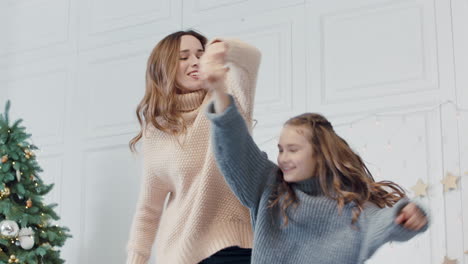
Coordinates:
411	217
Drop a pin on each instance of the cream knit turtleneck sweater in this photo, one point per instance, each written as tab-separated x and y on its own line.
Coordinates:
202	215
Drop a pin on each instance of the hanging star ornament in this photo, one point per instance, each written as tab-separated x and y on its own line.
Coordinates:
420	189
449	182
449	261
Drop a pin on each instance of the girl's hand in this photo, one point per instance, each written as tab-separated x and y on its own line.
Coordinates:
212	66
411	217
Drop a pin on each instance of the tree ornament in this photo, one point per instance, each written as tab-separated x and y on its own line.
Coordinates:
5	192
28	153
18	198
18	175
449	182
9	228
13	259
29	203
4	158
420	188
26	238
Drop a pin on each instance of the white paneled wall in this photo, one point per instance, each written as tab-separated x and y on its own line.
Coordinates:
380	70
460	37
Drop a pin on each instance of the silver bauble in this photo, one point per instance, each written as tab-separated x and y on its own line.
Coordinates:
9	228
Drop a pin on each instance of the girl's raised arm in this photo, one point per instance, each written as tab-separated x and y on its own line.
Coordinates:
244	166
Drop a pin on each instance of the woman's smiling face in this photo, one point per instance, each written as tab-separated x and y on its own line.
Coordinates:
187	73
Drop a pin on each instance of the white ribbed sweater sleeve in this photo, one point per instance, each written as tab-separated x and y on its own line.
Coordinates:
241	78
153	191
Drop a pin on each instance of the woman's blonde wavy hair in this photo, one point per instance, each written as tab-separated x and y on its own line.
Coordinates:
161	87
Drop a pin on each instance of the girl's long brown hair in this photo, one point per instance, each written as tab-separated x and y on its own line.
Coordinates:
342	174
161	87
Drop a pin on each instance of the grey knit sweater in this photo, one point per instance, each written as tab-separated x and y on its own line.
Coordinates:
316	232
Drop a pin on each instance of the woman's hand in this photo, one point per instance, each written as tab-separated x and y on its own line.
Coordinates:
212	66
411	217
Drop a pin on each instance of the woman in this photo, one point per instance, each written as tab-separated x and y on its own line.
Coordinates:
202	219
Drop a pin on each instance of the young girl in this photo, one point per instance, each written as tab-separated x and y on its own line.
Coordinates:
203	221
320	204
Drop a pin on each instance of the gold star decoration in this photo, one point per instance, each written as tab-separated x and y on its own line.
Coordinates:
449	182
449	261
420	188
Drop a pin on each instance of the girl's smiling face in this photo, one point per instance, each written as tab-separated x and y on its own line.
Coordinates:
295	154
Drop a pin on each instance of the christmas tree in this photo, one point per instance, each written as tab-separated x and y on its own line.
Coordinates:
27	234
